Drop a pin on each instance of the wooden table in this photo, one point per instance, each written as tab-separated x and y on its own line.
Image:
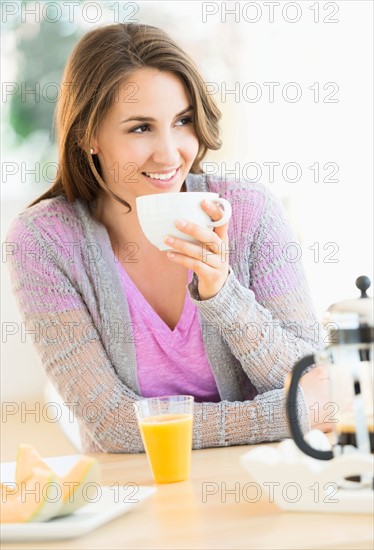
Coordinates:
176	516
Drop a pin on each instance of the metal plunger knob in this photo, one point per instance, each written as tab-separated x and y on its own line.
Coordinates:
363	283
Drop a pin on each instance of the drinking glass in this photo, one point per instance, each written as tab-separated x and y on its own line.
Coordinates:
165	425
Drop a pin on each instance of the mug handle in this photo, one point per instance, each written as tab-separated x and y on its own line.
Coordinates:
226	214
293	421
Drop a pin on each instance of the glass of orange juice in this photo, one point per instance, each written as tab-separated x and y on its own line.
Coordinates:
165	424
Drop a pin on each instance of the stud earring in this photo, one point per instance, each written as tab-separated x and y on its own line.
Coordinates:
91	151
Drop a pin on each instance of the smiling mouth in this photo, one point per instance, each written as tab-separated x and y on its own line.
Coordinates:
166	176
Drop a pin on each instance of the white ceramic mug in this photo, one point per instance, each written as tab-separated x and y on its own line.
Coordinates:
158	213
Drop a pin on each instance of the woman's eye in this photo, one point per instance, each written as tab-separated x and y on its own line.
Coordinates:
141	128
185	120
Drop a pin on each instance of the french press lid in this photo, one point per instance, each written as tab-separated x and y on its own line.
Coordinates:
351	321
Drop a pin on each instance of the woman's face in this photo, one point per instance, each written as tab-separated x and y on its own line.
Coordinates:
147	141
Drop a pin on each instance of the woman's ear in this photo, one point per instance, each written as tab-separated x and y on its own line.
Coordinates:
94	149
90	148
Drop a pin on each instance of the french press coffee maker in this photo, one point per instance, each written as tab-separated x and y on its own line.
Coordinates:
349	356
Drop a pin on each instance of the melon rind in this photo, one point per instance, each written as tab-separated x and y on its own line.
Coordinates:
28	503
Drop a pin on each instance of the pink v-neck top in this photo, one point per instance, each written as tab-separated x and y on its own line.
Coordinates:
169	362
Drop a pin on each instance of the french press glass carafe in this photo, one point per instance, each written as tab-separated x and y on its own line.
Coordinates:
349	356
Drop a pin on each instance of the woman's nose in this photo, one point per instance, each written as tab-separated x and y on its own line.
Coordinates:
166	151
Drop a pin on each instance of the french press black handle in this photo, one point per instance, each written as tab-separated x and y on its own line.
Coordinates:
293	421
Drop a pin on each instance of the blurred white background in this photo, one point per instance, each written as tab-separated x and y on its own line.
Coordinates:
329	127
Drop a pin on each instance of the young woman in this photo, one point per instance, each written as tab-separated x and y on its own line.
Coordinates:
114	317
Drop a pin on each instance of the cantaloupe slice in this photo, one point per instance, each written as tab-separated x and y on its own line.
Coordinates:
28	499
75	488
28	458
32	500
79	485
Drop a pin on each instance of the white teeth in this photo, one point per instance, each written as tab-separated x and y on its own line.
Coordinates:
161	176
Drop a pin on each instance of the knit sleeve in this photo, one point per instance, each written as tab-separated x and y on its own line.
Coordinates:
262	419
270	323
68	343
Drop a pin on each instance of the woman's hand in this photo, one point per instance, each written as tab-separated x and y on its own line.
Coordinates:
209	258
321	409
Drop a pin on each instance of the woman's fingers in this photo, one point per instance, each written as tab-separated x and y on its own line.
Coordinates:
213	209
207	253
207	256
200	268
216	213
204	235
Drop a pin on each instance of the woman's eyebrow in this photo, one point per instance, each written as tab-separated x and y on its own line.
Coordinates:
148	118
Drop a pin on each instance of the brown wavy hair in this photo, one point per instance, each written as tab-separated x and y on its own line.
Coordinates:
99	62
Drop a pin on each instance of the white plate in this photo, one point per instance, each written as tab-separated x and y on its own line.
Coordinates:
298	483
110	502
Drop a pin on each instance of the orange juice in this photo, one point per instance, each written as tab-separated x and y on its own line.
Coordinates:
167	440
